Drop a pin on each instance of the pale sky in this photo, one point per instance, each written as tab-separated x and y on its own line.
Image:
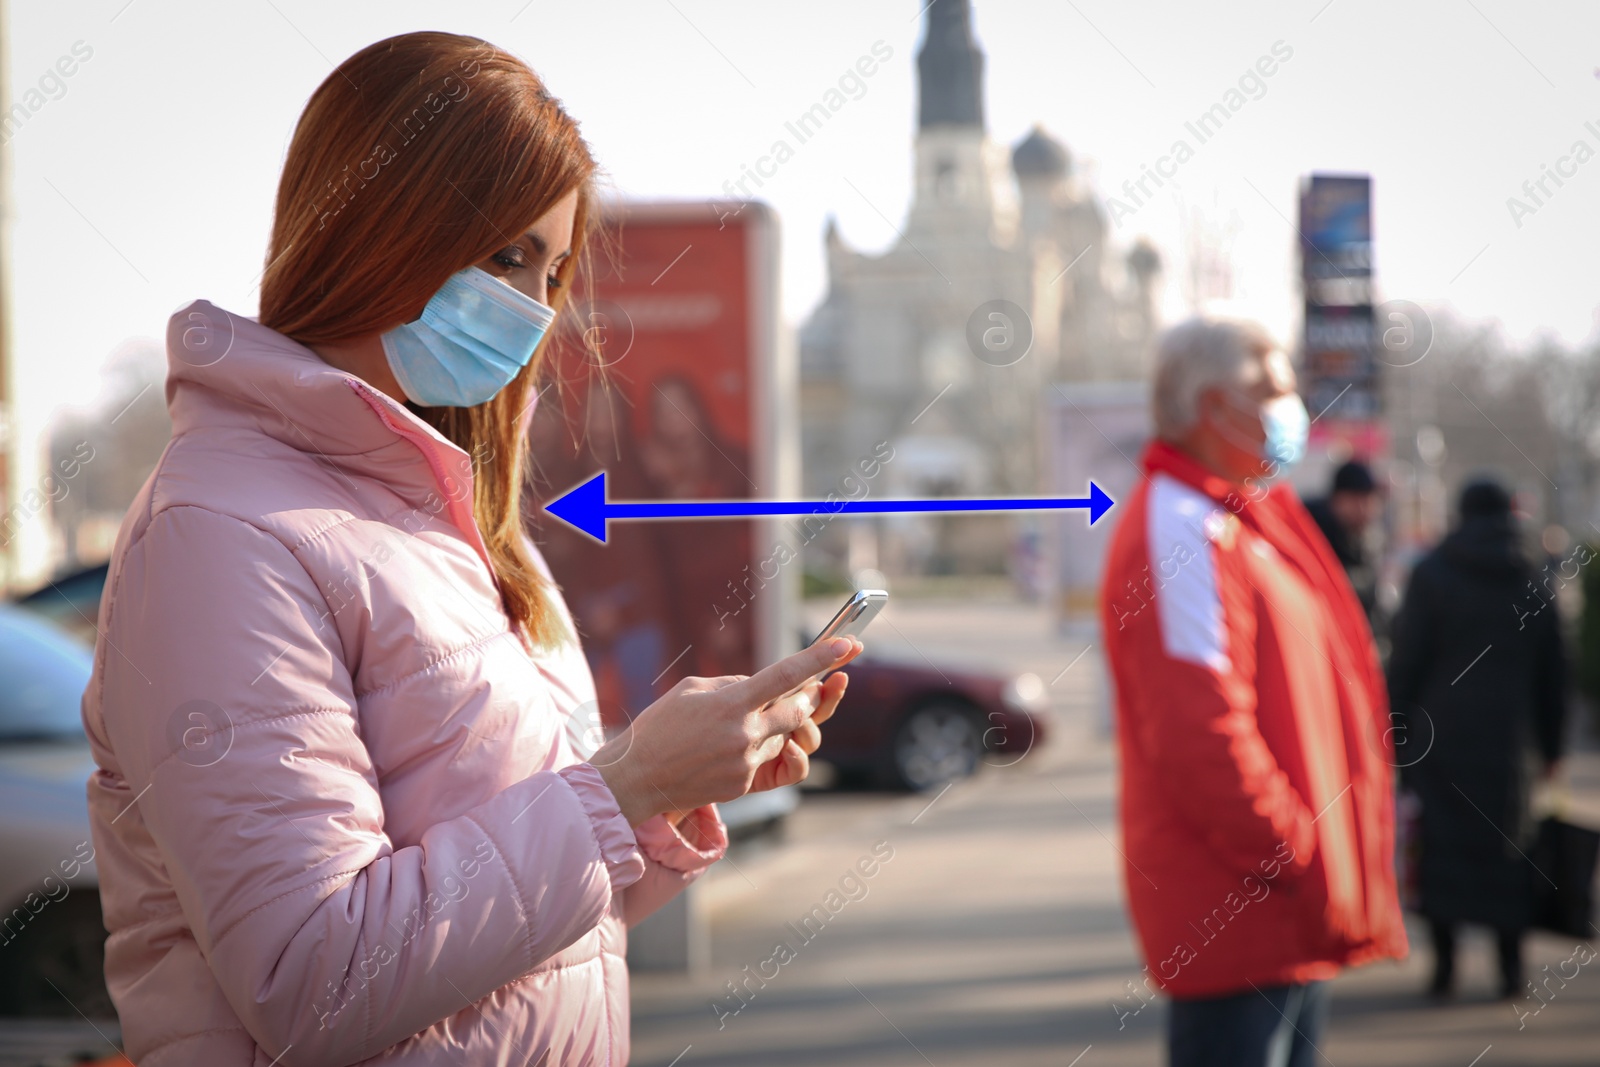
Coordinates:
149	182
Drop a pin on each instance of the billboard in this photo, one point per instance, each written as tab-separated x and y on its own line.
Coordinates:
1340	368
1336	226
672	389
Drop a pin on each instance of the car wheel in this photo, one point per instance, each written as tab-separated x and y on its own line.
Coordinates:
64	946
935	744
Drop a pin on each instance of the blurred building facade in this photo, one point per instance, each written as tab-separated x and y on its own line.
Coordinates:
1009	247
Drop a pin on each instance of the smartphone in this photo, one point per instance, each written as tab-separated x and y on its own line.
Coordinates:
850	621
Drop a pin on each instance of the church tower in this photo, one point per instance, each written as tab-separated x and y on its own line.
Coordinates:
957	170
950	69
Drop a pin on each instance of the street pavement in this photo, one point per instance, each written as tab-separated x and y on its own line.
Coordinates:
995	932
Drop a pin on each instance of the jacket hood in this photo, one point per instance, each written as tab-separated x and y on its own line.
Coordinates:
1487	545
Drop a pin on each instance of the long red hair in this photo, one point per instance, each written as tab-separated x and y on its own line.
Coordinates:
419	156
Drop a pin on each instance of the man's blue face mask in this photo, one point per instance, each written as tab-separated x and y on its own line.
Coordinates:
1288	427
1286	424
474	335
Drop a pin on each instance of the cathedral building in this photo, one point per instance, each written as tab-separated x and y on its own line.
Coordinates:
1002	281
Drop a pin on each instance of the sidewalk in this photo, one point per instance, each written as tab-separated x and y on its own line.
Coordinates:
996	933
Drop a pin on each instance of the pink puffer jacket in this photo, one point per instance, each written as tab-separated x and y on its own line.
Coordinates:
341	815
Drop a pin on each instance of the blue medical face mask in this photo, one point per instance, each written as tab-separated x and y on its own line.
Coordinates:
1288	426
474	335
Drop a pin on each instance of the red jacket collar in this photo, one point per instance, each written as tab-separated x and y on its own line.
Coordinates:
1271	510
1163	458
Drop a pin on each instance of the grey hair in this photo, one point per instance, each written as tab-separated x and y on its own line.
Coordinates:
1200	354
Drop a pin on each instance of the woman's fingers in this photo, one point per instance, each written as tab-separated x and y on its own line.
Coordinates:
808	737
832	692
802	704
824	698
796	764
789	767
768	685
719	682
769	749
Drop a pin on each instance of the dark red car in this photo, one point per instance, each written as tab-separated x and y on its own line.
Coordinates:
916	726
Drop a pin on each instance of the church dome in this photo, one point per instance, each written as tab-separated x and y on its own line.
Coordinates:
1040	156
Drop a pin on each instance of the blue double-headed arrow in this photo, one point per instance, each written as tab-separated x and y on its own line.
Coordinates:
586	507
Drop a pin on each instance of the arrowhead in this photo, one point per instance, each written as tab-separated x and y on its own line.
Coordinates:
584	507
1099	503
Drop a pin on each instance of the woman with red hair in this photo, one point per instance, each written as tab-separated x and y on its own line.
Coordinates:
341	813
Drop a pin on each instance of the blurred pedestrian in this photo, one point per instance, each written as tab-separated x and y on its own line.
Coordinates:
1477	683
1256	803
1345	516
338	809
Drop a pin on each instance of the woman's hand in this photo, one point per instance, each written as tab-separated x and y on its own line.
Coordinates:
714	739
792	763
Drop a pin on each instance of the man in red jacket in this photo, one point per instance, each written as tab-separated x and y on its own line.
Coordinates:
1256	802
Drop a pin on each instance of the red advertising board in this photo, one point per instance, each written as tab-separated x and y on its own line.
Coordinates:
672	390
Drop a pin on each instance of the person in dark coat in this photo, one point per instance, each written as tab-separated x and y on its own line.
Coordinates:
1477	683
1352	505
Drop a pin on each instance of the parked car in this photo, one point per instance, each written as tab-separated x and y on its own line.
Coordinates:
911	725
71	601
52	938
